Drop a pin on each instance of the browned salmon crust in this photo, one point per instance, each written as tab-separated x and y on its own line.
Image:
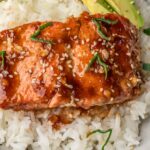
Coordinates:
38	75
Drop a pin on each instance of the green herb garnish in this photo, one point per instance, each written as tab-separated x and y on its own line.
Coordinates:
147	31
102	132
98	21
97	58
92	61
105	67
38	31
110	22
146	67
100	31
2	54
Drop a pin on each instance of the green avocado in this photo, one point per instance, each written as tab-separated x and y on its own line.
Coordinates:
125	8
94	7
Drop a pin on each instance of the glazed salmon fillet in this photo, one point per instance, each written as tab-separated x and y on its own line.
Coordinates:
92	60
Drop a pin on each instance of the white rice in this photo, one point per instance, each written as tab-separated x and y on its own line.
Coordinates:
22	130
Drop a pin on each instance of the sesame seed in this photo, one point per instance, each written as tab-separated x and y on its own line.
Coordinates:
115	65
129	84
112	46
119	73
50	55
111	60
105	54
59	40
5	73
11	63
59	77
46	64
132	66
101	69
82	42
75	37
61	59
87	40
22	52
76	99
15	73
77	41
113	91
33	80
127	46
103	43
57	85
128	54
21	57
43	70
111	99
94	43
10	76
68	28
60	68
1	75
101	89
68	46
107	93
13	55
70	66
95	70
116	54
99	39
65	55
51	68
107	45
69	62
30	70
132	31
41	62
93	52
69	86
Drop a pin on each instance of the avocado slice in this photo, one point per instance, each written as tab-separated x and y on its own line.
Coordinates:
129	10
125	8
108	6
95	7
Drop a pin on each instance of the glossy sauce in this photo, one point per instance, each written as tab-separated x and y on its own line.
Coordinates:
40	76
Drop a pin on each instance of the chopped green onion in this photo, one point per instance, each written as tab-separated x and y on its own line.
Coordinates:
92	61
147	31
37	32
110	22
98	21
2	54
146	67
100	31
97	58
42	27
105	67
102	132
41	40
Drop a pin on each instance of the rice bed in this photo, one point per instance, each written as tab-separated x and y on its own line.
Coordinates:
24	131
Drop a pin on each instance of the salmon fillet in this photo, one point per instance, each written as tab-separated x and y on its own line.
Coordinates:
92	60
